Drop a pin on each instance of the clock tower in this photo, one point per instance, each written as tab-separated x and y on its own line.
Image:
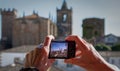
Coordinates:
64	21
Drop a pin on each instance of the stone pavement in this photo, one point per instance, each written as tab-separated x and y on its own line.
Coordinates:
18	67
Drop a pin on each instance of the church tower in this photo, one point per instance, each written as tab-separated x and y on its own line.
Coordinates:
93	28
8	18
64	21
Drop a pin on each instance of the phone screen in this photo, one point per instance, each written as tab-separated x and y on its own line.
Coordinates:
62	49
59	49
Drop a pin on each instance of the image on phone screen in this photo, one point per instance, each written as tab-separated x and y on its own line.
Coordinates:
59	49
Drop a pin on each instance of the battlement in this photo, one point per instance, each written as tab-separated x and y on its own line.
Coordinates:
8	11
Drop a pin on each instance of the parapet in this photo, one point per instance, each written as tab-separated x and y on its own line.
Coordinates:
9	10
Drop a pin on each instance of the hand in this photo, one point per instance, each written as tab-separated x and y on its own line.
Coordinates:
39	56
87	57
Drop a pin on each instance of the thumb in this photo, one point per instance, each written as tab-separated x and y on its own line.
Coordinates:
48	40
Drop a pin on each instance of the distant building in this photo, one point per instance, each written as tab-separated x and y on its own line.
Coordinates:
93	28
94	32
64	21
26	30
109	40
32	29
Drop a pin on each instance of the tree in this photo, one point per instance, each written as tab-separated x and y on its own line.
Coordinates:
116	47
102	47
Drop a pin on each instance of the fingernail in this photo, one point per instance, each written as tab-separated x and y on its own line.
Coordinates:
40	45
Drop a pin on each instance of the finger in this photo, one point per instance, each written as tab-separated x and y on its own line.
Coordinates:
51	60
77	56
48	40
79	41
34	55
26	61
46	51
75	61
77	48
38	56
30	57
71	61
78	53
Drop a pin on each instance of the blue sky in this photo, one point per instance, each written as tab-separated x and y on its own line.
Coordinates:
58	46
105	9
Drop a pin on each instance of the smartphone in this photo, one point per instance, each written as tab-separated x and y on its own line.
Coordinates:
62	49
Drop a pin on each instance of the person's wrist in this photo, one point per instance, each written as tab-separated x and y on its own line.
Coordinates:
99	66
97	63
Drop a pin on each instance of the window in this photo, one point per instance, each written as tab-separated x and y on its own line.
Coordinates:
119	61
111	39
96	33
112	61
64	17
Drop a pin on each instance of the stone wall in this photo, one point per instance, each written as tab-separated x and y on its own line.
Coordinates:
31	32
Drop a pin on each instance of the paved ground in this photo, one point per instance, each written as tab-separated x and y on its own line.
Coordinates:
17	68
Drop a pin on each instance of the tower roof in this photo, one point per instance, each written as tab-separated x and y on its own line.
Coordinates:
64	6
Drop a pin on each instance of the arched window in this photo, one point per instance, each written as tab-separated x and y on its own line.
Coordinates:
64	17
96	33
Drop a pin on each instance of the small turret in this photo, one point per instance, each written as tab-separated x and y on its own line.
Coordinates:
35	13
23	14
0	10
9	11
64	6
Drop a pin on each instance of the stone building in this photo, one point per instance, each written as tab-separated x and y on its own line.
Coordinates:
109	39
26	30
8	18
64	21
93	28
32	29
